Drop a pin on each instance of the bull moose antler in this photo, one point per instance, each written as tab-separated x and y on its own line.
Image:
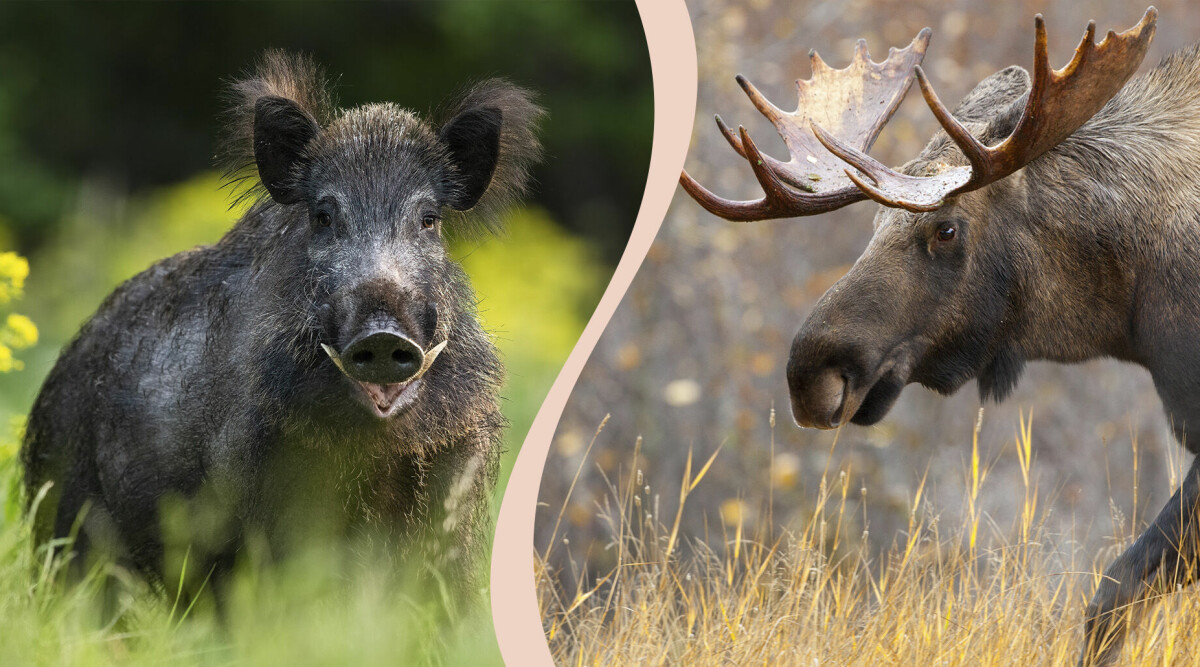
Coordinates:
854	103
1059	102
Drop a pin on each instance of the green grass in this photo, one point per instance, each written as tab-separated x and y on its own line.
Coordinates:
322	607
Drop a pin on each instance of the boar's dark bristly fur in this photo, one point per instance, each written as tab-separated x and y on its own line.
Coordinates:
202	381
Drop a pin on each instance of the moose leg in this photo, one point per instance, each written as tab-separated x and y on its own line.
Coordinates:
1162	558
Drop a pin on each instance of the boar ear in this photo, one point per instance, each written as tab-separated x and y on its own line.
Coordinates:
489	132
473	138
281	131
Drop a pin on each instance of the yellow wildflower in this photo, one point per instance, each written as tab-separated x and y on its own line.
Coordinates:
21	331
7	362
13	271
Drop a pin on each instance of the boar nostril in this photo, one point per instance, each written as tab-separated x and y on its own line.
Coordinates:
382	357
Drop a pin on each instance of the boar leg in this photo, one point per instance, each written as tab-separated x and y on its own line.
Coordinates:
1162	558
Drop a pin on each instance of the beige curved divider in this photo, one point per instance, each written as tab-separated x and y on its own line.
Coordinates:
515	610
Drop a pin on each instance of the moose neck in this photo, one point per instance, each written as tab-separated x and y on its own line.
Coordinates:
1113	218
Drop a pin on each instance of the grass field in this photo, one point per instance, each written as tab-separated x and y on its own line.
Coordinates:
328	606
956	588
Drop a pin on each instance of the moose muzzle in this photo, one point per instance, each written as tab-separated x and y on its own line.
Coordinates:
846	365
818	399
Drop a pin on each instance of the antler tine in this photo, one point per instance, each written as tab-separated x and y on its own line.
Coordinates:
777	193
891	188
780	168
784	171
812	181
974	150
761	103
786	204
868	165
737	211
770	206
729	136
779	201
860	50
1059	103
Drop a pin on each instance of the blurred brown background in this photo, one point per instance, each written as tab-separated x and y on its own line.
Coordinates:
695	355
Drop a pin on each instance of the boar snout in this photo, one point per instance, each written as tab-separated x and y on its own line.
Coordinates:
385	363
382	355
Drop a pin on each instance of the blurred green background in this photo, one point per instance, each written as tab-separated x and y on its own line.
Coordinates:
109	117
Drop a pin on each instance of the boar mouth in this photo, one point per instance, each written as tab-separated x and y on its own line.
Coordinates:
386	400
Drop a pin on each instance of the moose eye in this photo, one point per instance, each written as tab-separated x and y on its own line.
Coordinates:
947	233
429	220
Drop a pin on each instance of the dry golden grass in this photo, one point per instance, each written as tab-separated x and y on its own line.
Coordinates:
972	593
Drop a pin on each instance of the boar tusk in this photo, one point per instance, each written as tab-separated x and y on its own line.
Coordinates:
431	355
333	355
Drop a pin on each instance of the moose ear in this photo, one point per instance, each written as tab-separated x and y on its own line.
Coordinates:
281	131
993	95
996	103
473	138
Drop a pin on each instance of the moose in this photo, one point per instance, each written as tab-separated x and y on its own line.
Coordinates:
1053	217
321	366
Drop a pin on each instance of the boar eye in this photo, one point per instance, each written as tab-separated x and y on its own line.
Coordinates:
947	232
322	219
429	220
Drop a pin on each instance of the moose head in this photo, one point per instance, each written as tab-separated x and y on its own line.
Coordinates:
966	275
